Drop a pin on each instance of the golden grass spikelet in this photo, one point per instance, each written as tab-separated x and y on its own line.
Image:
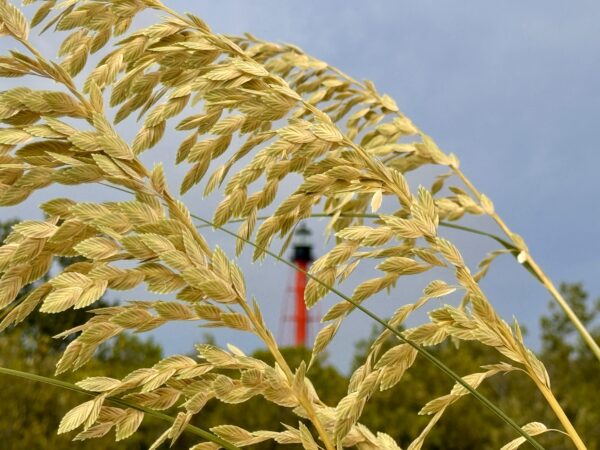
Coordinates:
13	21
85	413
532	428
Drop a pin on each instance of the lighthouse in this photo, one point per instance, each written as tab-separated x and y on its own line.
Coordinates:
301	257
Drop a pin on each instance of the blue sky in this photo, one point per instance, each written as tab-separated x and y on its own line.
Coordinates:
513	88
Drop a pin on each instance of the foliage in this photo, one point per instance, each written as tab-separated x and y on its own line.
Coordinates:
264	114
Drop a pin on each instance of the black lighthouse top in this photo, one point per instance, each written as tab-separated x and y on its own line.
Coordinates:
301	244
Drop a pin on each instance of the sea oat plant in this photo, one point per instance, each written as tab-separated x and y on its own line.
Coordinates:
252	114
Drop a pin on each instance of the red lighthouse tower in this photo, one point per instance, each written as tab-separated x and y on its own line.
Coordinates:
301	257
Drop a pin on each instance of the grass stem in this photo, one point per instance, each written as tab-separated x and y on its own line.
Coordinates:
117	401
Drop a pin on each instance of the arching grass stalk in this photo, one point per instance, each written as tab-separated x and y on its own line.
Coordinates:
117	401
426	353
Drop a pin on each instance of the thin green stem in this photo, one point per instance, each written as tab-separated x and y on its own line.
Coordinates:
509	246
505	243
426	354
117	401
